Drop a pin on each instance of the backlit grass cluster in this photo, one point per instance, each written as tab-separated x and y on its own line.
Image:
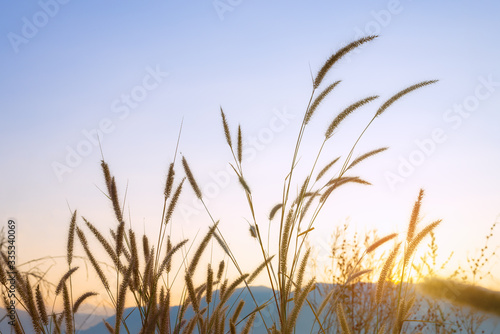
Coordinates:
144	274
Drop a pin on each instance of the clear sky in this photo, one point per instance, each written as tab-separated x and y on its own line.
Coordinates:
135	70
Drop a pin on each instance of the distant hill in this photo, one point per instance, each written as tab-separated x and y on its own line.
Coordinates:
93	324
83	321
262	295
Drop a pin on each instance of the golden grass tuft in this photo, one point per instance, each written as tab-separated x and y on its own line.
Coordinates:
386	268
336	56
63	279
191	179
71	239
317	101
226	128
346	112
402	93
326	168
170	181
414	217
342	318
41	306
380	242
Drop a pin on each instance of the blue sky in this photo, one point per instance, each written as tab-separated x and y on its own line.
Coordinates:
253	58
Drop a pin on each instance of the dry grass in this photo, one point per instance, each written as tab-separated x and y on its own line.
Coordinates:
146	277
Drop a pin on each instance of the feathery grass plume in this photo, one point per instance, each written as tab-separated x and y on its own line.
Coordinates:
257	271
230	289
63	279
339	182
3	277
326	168
105	244
222	244
357	275
226	128
219	324
201	248
240	145
210	282
173	202
191	293
169	248
317	101
119	238
244	184
336	56
342	319
222	290
167	260
30	304
122	292
346	112
463	294
190	325
107	175
283	252
170	181
380	242
93	261
237	311
57	324
402	93
381	330
108	327
302	192
191	179
275	209
302	270
68	314
232	327
134	257
402	314
220	271
414	216
145	247
114	199
81	299
71	239
418	238
124	249
147	276
253	231
41	306
308	204
298	302
165	320
249	324
151	323
366	156
385	273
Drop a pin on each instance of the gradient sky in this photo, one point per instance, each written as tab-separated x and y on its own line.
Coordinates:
72	72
